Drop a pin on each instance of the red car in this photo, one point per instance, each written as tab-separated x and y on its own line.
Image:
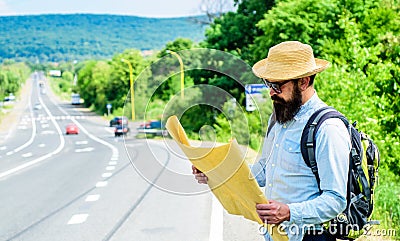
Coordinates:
72	129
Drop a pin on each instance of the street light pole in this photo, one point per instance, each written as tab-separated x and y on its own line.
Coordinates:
131	84
182	72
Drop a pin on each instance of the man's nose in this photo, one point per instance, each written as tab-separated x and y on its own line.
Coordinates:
272	92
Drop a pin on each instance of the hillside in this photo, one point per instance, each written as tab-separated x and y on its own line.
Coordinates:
88	36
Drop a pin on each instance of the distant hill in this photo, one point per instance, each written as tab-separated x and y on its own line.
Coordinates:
58	37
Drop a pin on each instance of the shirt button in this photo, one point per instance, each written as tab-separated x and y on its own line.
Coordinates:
290	148
284	126
273	165
270	185
277	145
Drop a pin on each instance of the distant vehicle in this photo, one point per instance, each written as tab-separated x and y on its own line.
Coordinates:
71	128
119	120
153	127
10	97
121	130
75	99
37	106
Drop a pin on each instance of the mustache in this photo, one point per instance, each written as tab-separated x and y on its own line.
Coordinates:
278	99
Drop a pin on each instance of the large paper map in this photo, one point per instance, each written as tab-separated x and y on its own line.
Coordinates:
229	176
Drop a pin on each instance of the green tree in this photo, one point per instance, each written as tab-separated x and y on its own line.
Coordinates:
234	32
118	87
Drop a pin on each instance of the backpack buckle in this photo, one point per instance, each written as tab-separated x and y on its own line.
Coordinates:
355	156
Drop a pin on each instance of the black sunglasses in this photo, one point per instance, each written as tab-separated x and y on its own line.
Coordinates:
276	86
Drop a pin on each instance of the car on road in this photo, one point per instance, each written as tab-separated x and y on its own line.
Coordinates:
75	99
153	127
71	128
10	97
120	130
119	120
37	106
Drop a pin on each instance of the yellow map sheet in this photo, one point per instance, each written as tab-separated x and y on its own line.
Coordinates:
229	176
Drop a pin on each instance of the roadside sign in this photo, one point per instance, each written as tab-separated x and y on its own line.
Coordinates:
254	92
108	106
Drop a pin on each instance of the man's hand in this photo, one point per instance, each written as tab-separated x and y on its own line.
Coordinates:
200	177
274	212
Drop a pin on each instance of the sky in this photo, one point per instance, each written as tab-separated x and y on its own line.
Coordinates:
143	8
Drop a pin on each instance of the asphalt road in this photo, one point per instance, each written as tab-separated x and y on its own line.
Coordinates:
94	186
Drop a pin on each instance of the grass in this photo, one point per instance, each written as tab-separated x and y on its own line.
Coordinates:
387	204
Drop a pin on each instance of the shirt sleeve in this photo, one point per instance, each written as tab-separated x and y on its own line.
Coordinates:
332	155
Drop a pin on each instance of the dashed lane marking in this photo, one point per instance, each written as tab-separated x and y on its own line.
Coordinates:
29	154
101	184
81	142
88	149
78	218
92	198
107	174
110	168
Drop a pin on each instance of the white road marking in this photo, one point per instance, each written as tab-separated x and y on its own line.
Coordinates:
3	148
88	149
29	154
92	198
81	142
112	163
110	168
78	218
101	184
107	174
47	132
45	125
42	145
9	153
134	145
114	158
217	222
22	127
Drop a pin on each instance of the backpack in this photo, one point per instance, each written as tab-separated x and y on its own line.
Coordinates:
364	161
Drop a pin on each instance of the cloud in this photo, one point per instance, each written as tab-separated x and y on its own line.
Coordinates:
5	9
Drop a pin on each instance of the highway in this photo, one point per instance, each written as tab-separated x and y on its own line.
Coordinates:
94	186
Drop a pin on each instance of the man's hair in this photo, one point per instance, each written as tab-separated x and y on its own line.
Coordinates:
312	77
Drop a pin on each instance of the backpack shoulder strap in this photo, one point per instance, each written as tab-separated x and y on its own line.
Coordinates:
307	142
272	122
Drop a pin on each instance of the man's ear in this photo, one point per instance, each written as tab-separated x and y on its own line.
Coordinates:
304	83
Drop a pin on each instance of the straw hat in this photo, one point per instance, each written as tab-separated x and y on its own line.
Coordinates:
289	60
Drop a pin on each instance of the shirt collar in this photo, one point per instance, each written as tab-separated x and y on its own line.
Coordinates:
307	106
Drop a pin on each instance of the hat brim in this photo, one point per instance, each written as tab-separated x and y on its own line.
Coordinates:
261	71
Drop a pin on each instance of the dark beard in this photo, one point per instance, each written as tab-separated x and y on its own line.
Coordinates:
286	110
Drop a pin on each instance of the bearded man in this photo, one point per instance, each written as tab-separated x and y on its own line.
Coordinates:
295	201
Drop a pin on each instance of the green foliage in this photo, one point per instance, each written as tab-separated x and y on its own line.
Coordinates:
58	37
12	76
307	21
248	128
234	32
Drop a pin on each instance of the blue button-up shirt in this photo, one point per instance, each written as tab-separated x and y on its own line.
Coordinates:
287	179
